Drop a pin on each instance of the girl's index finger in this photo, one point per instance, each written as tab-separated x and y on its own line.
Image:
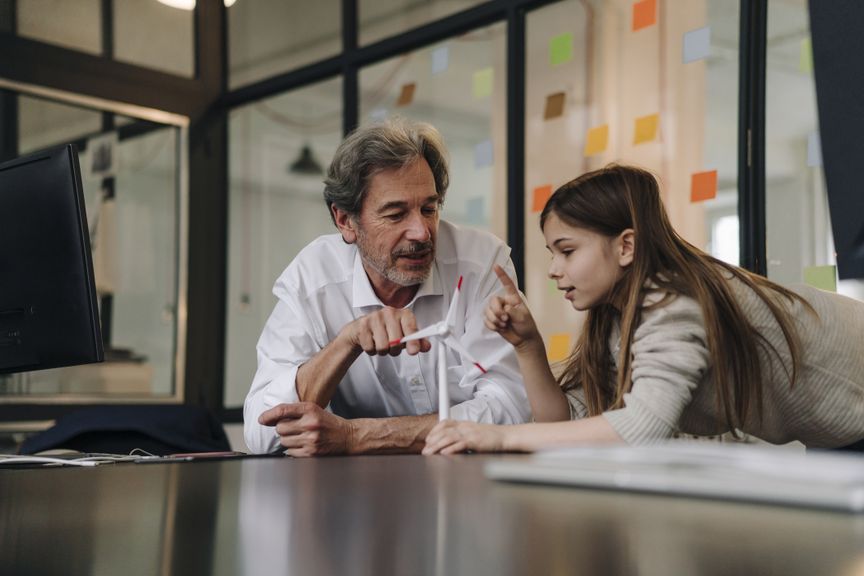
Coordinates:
506	281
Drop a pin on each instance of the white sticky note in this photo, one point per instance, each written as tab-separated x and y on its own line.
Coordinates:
697	44
440	59
814	149
483	154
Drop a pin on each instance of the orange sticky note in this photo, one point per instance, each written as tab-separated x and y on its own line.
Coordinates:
406	96
559	347
646	128
554	105
703	186
541	196
597	140
644	14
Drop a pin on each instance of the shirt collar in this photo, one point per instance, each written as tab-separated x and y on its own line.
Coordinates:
364	295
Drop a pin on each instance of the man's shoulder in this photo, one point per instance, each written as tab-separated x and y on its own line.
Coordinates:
326	260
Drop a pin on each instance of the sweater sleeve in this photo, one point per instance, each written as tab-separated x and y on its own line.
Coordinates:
576	400
670	359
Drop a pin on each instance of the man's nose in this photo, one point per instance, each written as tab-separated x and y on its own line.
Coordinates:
418	228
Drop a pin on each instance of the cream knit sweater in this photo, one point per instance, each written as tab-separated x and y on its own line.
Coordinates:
673	390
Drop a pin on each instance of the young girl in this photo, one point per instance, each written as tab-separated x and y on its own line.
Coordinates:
674	340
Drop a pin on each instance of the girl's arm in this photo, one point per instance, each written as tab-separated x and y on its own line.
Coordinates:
450	436
509	316
548	401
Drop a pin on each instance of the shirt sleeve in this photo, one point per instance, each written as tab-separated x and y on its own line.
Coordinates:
670	359
499	395
286	343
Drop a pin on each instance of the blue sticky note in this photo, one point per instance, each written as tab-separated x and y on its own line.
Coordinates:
475	210
814	150
440	59
483	154
697	44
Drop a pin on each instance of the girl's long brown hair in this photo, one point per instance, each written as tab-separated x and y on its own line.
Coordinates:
615	198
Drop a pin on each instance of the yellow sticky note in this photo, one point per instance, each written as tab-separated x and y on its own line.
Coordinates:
559	347
483	83
822	277
597	140
805	63
646	128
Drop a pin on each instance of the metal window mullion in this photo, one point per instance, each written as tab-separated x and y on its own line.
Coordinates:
751	136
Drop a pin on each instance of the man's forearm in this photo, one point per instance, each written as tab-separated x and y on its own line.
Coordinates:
318	378
399	435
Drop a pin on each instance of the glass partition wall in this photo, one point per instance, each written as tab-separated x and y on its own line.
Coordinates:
604	81
527	93
135	200
799	242
280	148
609	82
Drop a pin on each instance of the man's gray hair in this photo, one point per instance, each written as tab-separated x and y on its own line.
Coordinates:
391	144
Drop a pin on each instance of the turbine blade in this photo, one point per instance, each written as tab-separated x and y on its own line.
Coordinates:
424	333
454	305
456	345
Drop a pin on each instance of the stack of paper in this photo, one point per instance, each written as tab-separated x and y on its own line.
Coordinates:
724	471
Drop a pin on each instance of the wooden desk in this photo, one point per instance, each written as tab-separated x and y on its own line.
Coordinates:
390	515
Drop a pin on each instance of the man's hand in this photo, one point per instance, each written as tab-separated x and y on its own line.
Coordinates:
306	429
379	333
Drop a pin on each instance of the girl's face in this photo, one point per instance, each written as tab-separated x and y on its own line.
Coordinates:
586	265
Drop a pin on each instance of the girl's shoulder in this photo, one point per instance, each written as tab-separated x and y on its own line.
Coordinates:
667	314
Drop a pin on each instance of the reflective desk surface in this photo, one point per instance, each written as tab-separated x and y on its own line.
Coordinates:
383	515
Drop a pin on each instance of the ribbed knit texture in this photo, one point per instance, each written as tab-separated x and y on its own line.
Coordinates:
673	389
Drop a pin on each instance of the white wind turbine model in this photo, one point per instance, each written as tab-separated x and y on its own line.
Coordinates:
443	332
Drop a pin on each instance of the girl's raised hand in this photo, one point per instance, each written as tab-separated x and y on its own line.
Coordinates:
508	315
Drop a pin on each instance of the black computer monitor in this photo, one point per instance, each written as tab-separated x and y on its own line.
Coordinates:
48	312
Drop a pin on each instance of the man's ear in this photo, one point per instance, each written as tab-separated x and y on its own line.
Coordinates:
625	247
346	223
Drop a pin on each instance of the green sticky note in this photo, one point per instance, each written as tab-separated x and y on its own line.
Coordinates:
553	287
822	277
805	63
483	82
561	49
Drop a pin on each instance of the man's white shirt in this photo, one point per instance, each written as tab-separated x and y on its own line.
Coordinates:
326	287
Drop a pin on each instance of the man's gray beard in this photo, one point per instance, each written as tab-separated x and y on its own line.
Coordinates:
393	274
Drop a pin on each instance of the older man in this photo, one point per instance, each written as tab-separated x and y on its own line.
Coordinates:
392	267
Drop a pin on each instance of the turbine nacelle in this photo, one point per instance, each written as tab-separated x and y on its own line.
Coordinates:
443	332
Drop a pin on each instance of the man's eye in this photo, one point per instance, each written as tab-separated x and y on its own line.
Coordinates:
393	217
430	210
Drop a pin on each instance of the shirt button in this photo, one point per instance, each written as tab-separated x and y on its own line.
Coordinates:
415	381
